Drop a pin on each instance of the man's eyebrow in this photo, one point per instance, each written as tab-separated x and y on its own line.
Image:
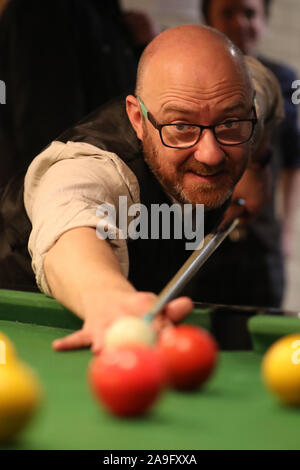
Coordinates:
182	110
234	107
178	109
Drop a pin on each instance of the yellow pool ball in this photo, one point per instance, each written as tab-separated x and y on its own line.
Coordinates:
281	369
20	395
20	391
8	352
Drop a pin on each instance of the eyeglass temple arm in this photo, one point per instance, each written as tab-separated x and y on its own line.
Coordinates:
143	108
147	115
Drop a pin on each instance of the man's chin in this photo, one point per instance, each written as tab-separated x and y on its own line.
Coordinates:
211	199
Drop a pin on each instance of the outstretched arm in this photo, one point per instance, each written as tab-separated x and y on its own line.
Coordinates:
63	190
84	275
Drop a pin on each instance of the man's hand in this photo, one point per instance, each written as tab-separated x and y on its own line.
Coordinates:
104	309
255	189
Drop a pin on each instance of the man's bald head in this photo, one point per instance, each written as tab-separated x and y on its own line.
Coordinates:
190	80
191	45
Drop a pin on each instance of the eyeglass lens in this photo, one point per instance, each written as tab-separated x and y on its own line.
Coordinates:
182	135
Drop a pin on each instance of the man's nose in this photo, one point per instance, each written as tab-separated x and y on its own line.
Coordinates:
240	21
208	150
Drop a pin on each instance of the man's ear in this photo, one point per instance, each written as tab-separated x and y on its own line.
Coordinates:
135	115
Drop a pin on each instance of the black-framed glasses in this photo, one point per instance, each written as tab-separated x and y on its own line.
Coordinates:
184	135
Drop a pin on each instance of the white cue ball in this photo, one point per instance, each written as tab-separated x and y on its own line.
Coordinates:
129	331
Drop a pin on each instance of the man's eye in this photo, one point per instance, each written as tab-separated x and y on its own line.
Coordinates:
250	14
229	124
182	127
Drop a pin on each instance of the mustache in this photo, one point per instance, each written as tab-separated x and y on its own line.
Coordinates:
202	169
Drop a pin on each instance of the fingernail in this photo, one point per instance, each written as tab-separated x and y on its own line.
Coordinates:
240	202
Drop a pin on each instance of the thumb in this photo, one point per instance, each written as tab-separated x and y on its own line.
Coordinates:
178	309
79	339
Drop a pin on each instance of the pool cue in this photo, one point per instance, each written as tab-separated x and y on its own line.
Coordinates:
201	254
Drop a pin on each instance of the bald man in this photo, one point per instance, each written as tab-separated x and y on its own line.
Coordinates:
187	136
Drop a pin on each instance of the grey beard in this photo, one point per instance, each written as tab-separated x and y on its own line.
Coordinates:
176	191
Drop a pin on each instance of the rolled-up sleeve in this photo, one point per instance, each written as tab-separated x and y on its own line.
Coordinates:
64	187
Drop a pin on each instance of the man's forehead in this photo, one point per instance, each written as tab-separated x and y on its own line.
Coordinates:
184	89
187	109
237	4
192	68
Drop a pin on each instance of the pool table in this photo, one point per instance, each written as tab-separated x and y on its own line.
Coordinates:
233	410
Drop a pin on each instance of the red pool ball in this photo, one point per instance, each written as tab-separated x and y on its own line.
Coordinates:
127	380
189	354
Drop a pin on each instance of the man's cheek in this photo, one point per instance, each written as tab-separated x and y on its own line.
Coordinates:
243	159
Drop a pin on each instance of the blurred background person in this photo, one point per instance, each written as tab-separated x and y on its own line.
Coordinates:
252	260
60	60
2	5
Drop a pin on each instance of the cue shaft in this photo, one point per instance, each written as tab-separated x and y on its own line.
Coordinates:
190	267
